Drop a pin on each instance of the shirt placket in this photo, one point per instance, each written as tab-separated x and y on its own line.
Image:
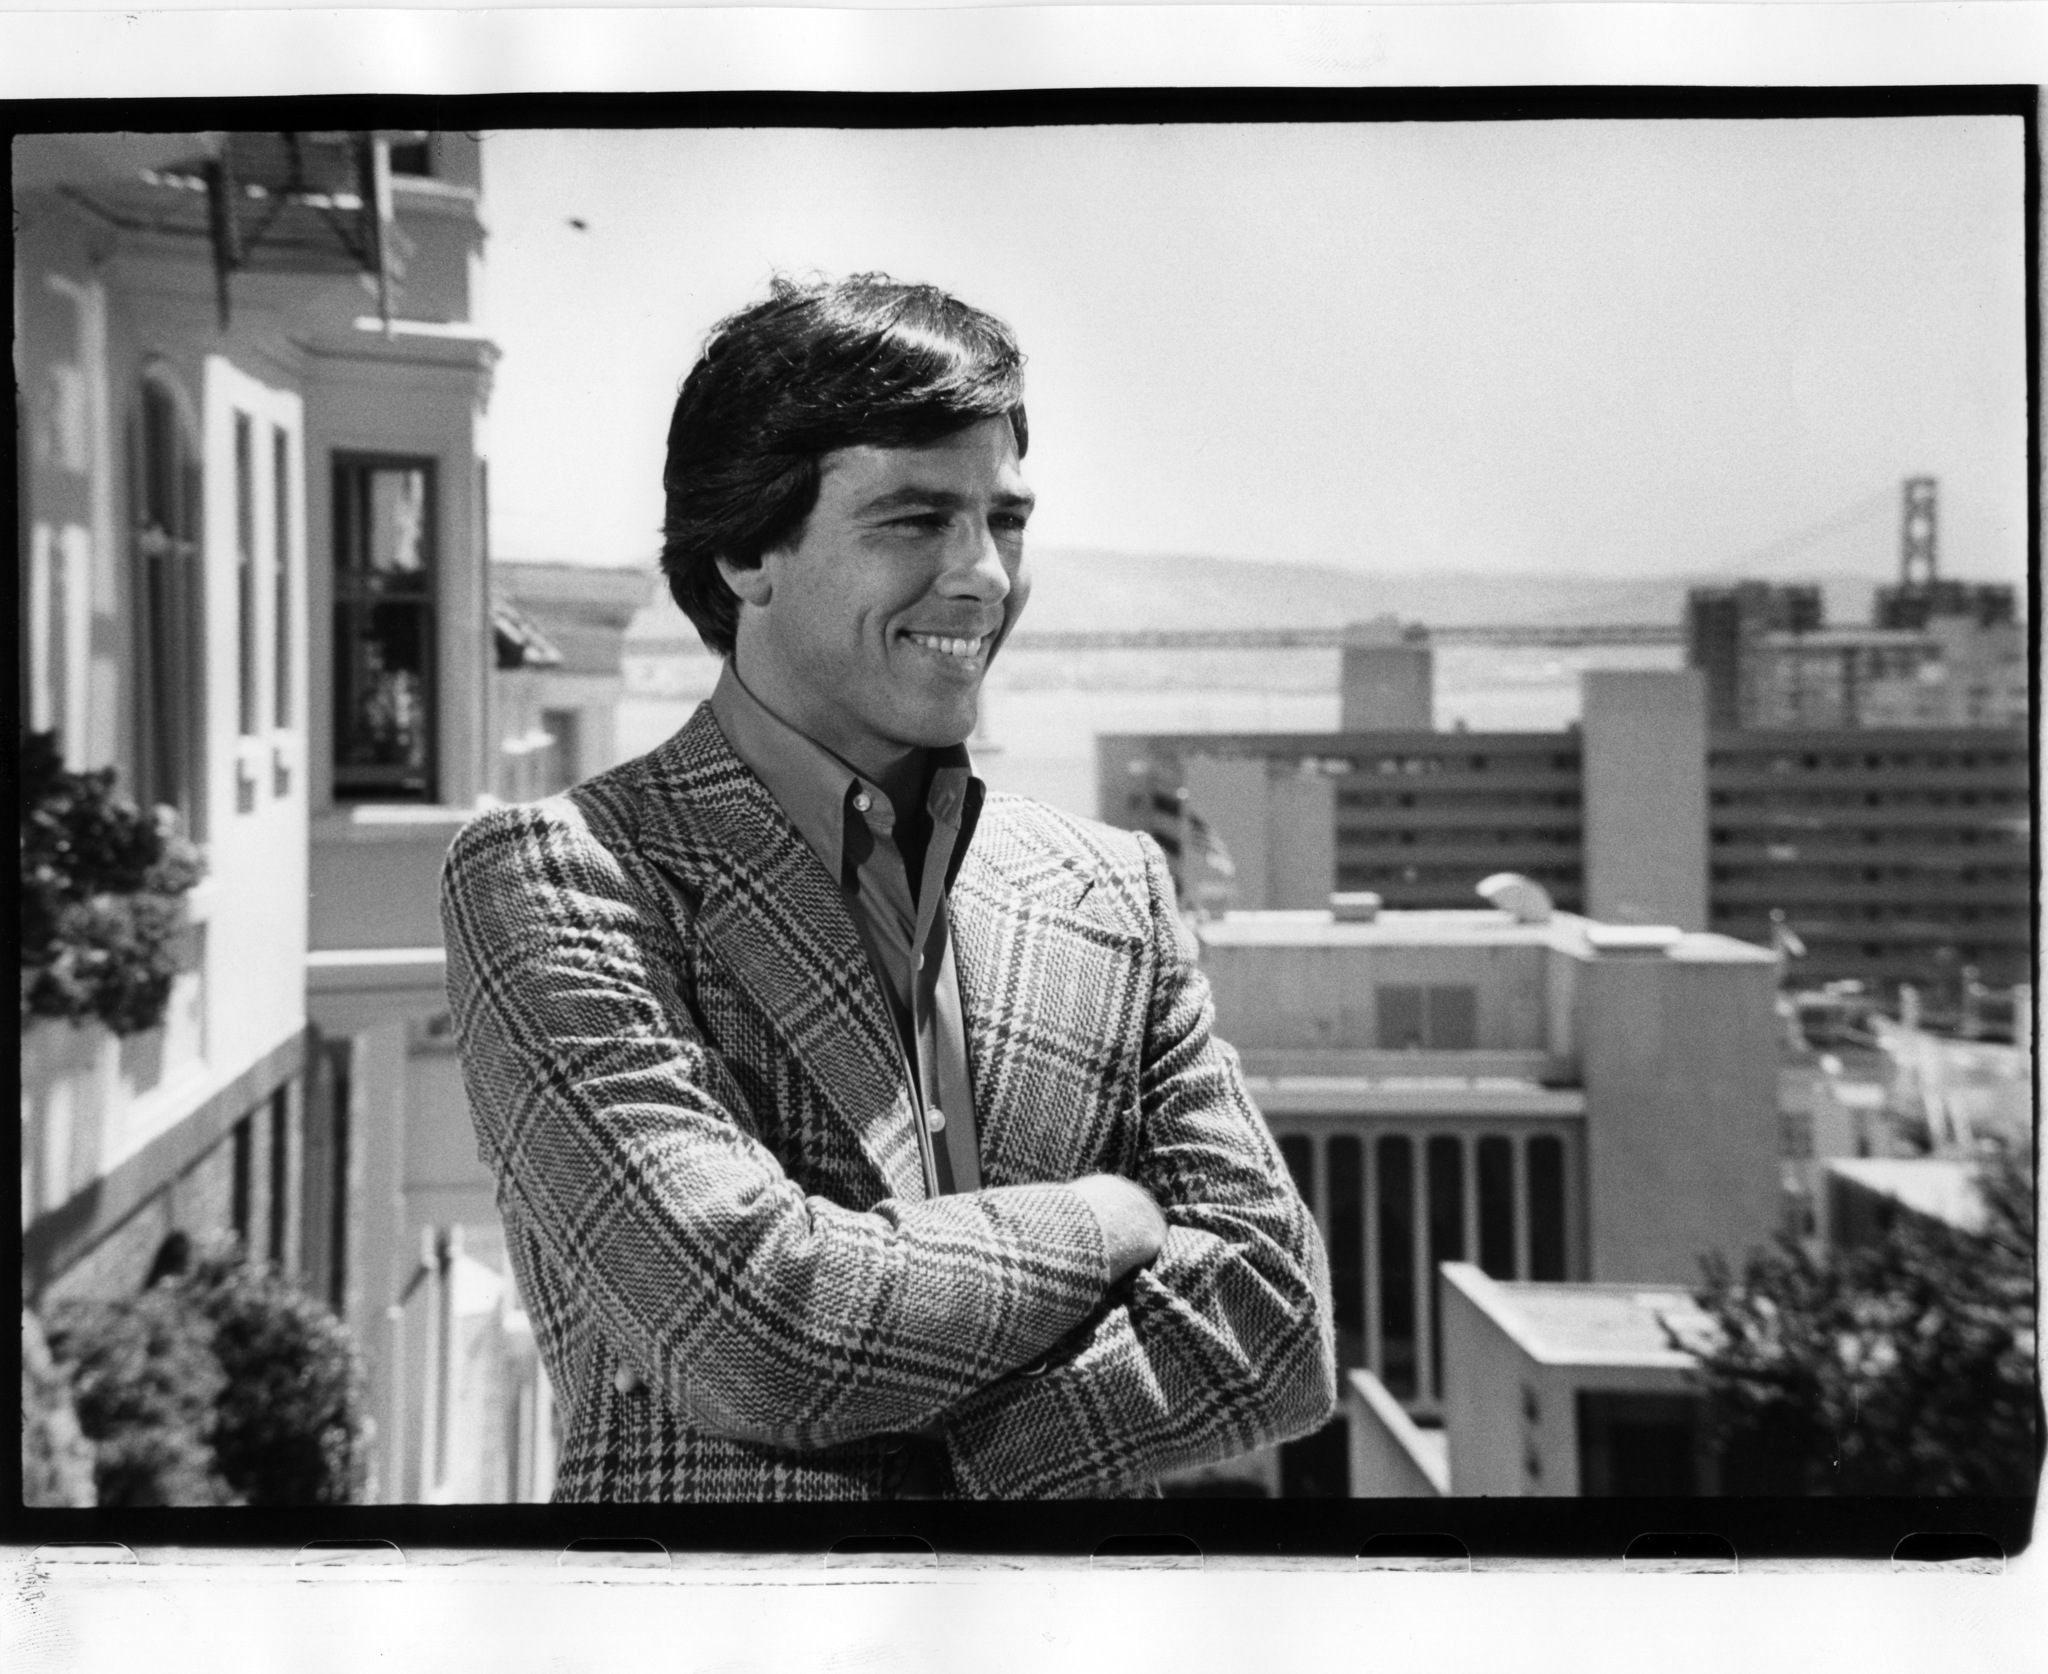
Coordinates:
919	1060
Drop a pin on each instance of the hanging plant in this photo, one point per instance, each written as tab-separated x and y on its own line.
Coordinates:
103	888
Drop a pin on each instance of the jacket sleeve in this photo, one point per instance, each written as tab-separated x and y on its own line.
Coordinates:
1223	1344
622	1143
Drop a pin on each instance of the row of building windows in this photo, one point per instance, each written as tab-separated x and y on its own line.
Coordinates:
384	612
1921	874
1719	760
1370	836
1814	843
1878	912
1456	879
1349	800
1410	764
1782	800
1392	1205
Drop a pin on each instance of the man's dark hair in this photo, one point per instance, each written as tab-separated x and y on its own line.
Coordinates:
817	366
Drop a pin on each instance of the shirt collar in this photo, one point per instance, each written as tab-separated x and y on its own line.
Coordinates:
813	786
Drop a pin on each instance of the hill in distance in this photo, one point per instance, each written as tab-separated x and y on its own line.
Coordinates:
1077	588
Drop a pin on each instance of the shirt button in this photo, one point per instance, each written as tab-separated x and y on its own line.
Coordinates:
920	959
935	1118
863	801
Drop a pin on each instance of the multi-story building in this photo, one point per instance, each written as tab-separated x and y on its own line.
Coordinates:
1552	1098
1553	1389
560	635
1893	857
1723	627
254	583
1937	653
190	310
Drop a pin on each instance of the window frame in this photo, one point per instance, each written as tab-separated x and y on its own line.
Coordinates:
168	703
353	785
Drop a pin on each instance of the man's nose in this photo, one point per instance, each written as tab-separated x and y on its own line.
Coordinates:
975	567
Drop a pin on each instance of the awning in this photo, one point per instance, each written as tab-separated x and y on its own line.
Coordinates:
520	642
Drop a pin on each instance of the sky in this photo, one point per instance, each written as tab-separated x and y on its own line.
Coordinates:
1603	348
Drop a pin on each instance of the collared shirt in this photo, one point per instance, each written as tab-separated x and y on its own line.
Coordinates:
894	875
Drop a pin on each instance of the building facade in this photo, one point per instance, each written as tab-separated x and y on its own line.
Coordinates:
165	537
1937	652
1893	856
559	632
1549	1098
254	582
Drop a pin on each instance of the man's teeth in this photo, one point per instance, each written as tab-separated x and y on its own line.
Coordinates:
965	649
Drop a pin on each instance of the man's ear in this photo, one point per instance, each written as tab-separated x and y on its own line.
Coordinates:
751	584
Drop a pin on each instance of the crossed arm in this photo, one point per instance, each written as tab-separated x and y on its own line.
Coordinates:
624	1144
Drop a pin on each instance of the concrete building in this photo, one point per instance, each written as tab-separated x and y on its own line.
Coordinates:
254	582
1896	857
1551	1098
1386	678
1572	1390
193	333
1867	1196
1724	625
1937	653
560	636
1953	670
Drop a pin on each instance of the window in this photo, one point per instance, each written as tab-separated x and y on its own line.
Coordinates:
1441	1018
169	663
1318	1466
324	1163
1497	1207
1546	1208
241	1204
384	629
1454	1019
1298	1152
246	719
1394	1168
1445	1156
1400	1017
561	760
281	578
1346	1157
412	154
1639	1444
280	1190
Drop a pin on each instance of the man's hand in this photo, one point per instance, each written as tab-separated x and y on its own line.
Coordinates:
1133	1229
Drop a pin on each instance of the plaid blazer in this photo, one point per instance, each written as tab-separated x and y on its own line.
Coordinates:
686	1081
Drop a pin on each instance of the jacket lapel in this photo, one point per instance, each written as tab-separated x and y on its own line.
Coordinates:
766	910
1054	999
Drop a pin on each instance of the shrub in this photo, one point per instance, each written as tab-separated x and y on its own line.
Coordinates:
288	1426
56	1459
102	888
221	1384
146	1382
1906	1367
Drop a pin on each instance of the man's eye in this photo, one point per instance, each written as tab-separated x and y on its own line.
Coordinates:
1009	523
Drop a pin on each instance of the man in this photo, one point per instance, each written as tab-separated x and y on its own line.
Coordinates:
858	1134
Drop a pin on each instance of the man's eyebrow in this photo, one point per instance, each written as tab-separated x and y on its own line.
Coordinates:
911	497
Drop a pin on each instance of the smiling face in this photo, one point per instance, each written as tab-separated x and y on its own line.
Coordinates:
872	631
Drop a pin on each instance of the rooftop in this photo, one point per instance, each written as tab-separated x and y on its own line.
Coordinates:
1412	1095
1473	927
1586	1324
1941	1188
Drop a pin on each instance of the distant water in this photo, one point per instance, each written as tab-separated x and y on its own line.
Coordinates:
1043	710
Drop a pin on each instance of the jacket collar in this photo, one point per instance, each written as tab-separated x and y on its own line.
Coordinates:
771	912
